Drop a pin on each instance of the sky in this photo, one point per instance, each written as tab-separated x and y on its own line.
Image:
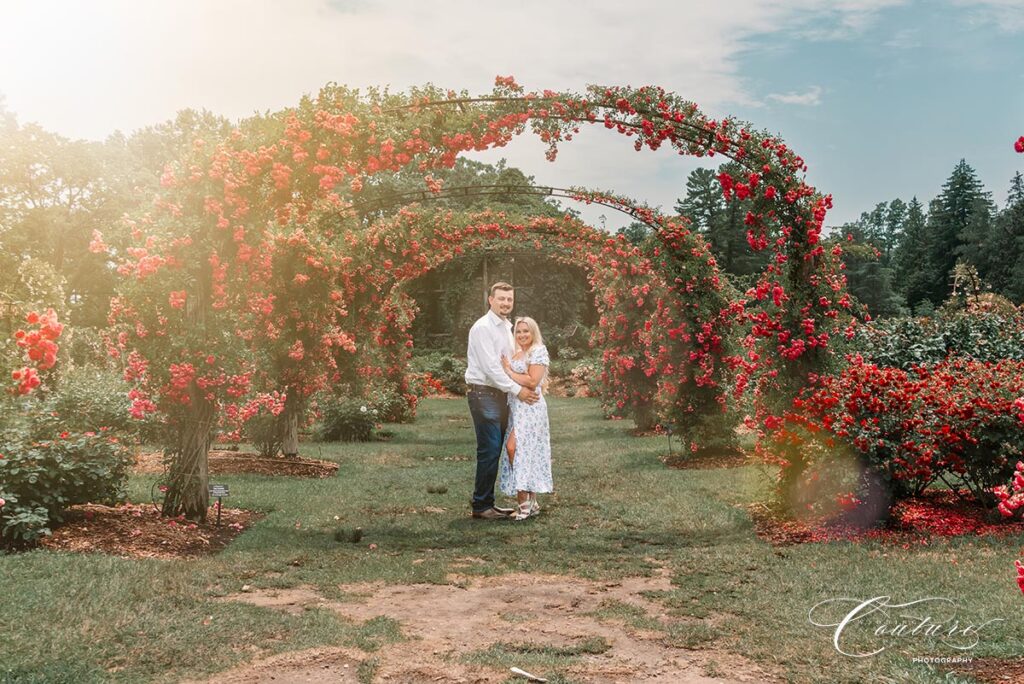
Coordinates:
881	97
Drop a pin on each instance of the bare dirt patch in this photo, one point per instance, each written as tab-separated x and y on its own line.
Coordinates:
315	666
992	670
242	462
445	623
706	460
138	531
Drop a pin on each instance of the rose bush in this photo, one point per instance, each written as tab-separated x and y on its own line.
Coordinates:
45	465
41	477
953	422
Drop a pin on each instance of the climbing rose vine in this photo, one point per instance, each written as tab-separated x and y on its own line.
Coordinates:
199	307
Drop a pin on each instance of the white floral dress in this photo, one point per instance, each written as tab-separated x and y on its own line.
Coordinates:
531	471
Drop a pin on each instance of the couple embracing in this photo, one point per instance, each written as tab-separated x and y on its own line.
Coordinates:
506	369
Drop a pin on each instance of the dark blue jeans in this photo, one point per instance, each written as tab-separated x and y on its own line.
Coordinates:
490	418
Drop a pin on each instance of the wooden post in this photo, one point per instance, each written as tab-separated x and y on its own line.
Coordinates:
487	283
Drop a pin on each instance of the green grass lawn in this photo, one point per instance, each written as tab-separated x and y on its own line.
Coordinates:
617	512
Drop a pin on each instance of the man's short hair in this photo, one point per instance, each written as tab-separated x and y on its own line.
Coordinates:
501	285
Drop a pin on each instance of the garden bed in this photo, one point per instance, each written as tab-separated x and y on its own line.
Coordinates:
138	531
938	513
243	462
706	460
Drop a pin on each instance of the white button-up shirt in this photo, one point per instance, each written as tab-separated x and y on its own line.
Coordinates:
490	338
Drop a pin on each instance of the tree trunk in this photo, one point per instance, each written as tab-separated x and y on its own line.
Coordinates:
188	479
644	416
290	424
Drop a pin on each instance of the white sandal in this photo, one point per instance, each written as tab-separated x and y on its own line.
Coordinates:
525	511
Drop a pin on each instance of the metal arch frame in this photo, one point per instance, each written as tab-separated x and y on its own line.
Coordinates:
698	133
409	197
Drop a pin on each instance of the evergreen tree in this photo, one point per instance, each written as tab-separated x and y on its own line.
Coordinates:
882	226
957	225
703	203
911	255
872	225
636	232
721	222
867	277
895	218
1008	244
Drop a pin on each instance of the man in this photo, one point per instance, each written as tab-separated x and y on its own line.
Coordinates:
490	338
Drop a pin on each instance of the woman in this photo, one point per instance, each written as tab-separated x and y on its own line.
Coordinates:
526	460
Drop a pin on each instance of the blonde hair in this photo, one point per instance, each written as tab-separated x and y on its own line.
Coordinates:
537	341
534	329
500	285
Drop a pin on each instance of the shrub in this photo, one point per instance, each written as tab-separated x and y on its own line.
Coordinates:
980	334
345	419
953	422
89	397
426	385
39	479
264	432
586	377
389	404
561	367
86	347
443	367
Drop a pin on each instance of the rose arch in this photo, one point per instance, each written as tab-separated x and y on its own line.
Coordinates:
663	337
250	283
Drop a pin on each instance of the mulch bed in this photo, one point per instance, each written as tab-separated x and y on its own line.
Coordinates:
991	670
138	531
934	514
706	460
241	462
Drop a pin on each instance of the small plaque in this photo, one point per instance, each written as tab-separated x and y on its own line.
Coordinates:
218	490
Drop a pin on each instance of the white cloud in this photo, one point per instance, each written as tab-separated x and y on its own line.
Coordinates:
87	69
811	98
1006	15
905	39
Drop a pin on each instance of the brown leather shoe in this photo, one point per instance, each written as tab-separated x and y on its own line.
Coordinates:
490	514
506	511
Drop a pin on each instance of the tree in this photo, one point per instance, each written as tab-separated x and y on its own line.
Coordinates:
53	193
957	227
868	277
721	223
636	232
895	218
703	203
1007	267
911	257
873	225
489	186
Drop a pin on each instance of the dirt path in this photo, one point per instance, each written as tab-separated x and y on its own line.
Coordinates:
444	623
